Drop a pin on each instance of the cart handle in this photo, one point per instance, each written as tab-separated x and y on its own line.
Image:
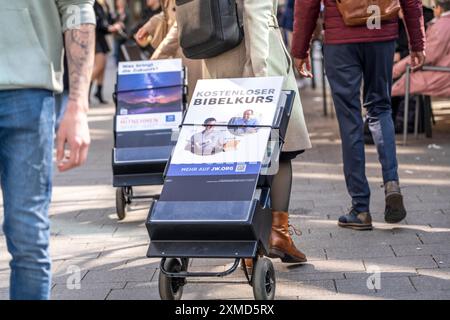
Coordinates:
185	274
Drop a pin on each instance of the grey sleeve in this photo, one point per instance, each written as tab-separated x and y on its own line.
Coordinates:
73	13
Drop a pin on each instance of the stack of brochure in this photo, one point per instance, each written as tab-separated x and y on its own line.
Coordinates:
149	107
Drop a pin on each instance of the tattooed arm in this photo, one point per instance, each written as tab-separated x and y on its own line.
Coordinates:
79	45
74	130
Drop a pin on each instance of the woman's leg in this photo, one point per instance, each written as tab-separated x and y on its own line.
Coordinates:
281	244
281	187
101	75
98	62
101	59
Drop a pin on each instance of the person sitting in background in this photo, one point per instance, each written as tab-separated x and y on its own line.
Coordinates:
437	54
401	51
402	45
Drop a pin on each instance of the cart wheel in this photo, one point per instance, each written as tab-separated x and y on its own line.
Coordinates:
121	203
263	280
171	288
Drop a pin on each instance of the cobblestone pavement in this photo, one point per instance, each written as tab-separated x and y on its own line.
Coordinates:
412	258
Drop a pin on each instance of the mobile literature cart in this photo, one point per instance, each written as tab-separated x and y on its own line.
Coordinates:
215	201
150	99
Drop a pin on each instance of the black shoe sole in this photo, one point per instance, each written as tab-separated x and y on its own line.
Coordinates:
395	210
355	226
285	258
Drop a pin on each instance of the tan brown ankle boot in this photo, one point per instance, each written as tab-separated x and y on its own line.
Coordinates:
247	264
280	243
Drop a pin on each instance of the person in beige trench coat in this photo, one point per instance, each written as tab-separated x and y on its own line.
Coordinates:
263	53
169	47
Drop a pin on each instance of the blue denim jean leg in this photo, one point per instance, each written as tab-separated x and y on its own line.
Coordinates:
26	145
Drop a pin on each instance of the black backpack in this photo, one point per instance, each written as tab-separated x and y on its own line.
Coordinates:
208	28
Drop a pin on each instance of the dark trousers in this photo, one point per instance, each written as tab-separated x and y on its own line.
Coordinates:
347	67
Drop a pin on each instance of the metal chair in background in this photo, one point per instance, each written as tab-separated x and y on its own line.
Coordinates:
427	110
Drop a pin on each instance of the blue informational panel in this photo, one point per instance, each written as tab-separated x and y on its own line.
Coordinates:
223	140
149	108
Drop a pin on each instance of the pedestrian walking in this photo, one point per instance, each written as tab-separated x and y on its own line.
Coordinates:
359	48
30	74
263	53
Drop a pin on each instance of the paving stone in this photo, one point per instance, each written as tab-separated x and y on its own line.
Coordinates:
398	273
209	262
102	265
357	251
432	280
428	295
341	296
442	260
306	288
4	280
435	237
85	251
120	275
435	219
347	238
401	263
423	249
209	290
130	251
89	294
135	294
326	266
295	276
85	285
68	276
388	287
4	294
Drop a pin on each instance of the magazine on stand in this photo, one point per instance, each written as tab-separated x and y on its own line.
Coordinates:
224	138
149	103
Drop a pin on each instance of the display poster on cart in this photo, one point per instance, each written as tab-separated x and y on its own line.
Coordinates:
242	101
227	127
223	142
149	101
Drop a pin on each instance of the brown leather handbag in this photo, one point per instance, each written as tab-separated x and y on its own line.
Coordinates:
357	12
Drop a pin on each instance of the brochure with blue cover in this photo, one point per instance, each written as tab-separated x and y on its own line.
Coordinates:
150	74
149	103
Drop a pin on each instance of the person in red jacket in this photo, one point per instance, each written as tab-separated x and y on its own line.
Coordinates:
356	55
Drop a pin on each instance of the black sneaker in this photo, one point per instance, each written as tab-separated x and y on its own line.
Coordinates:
395	210
356	220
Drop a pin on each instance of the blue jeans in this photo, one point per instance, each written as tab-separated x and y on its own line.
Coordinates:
61	101
26	145
347	66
